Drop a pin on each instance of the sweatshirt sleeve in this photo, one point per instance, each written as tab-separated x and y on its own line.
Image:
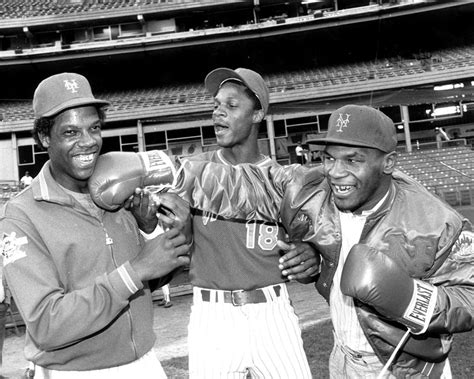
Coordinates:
57	316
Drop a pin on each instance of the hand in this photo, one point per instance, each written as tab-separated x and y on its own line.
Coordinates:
377	280
161	255
301	261
174	212
144	209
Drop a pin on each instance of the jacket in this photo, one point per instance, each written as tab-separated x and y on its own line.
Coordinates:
414	227
63	268
423	235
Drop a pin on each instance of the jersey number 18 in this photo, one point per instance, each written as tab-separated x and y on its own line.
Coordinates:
267	235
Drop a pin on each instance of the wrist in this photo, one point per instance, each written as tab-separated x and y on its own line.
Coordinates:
417	316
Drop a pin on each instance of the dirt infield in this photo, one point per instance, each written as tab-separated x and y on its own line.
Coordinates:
170	325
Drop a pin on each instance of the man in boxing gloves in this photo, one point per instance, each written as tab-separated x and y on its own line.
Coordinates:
397	262
81	275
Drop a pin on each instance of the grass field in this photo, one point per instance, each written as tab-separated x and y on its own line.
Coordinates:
318	342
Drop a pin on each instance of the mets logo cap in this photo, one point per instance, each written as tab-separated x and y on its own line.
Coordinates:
63	91
251	79
361	126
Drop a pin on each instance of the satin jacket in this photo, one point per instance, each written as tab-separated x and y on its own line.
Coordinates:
414	227
422	234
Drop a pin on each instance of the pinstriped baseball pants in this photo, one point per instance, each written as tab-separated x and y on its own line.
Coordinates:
227	341
342	365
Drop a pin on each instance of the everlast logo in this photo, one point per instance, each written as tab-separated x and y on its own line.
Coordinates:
156	161
422	302
421	306
159	169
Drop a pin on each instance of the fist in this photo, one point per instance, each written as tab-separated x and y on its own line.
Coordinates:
118	174
376	279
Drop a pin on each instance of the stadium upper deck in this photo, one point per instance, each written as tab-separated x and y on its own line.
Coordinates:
314	84
31	32
21	9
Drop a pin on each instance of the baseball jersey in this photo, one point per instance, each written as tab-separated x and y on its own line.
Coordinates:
231	253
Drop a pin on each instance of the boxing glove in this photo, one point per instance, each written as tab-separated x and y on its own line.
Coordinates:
377	280
117	174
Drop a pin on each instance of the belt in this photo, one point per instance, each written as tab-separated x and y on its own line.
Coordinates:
240	297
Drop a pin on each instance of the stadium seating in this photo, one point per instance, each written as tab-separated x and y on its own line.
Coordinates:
13	9
278	83
448	172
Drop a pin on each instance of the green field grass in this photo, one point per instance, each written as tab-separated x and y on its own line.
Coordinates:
318	343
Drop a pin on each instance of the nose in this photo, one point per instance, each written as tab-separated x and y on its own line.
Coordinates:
87	139
218	111
336	169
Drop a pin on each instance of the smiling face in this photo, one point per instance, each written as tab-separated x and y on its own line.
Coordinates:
234	115
73	146
359	177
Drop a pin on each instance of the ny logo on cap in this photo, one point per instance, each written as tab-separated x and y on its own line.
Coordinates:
342	122
71	85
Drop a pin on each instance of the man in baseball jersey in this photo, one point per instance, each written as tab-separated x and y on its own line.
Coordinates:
242	320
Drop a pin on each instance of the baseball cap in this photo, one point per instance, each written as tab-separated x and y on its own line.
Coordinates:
251	79
62	91
359	125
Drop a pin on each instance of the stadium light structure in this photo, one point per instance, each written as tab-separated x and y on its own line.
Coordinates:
446	111
446	87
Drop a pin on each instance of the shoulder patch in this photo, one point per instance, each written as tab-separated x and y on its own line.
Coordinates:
463	248
11	247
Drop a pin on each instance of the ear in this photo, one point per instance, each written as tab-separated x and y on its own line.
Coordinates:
45	140
390	160
258	116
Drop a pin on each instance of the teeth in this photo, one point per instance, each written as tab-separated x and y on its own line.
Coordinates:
343	188
85	158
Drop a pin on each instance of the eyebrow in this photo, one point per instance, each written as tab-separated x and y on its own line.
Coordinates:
353	154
